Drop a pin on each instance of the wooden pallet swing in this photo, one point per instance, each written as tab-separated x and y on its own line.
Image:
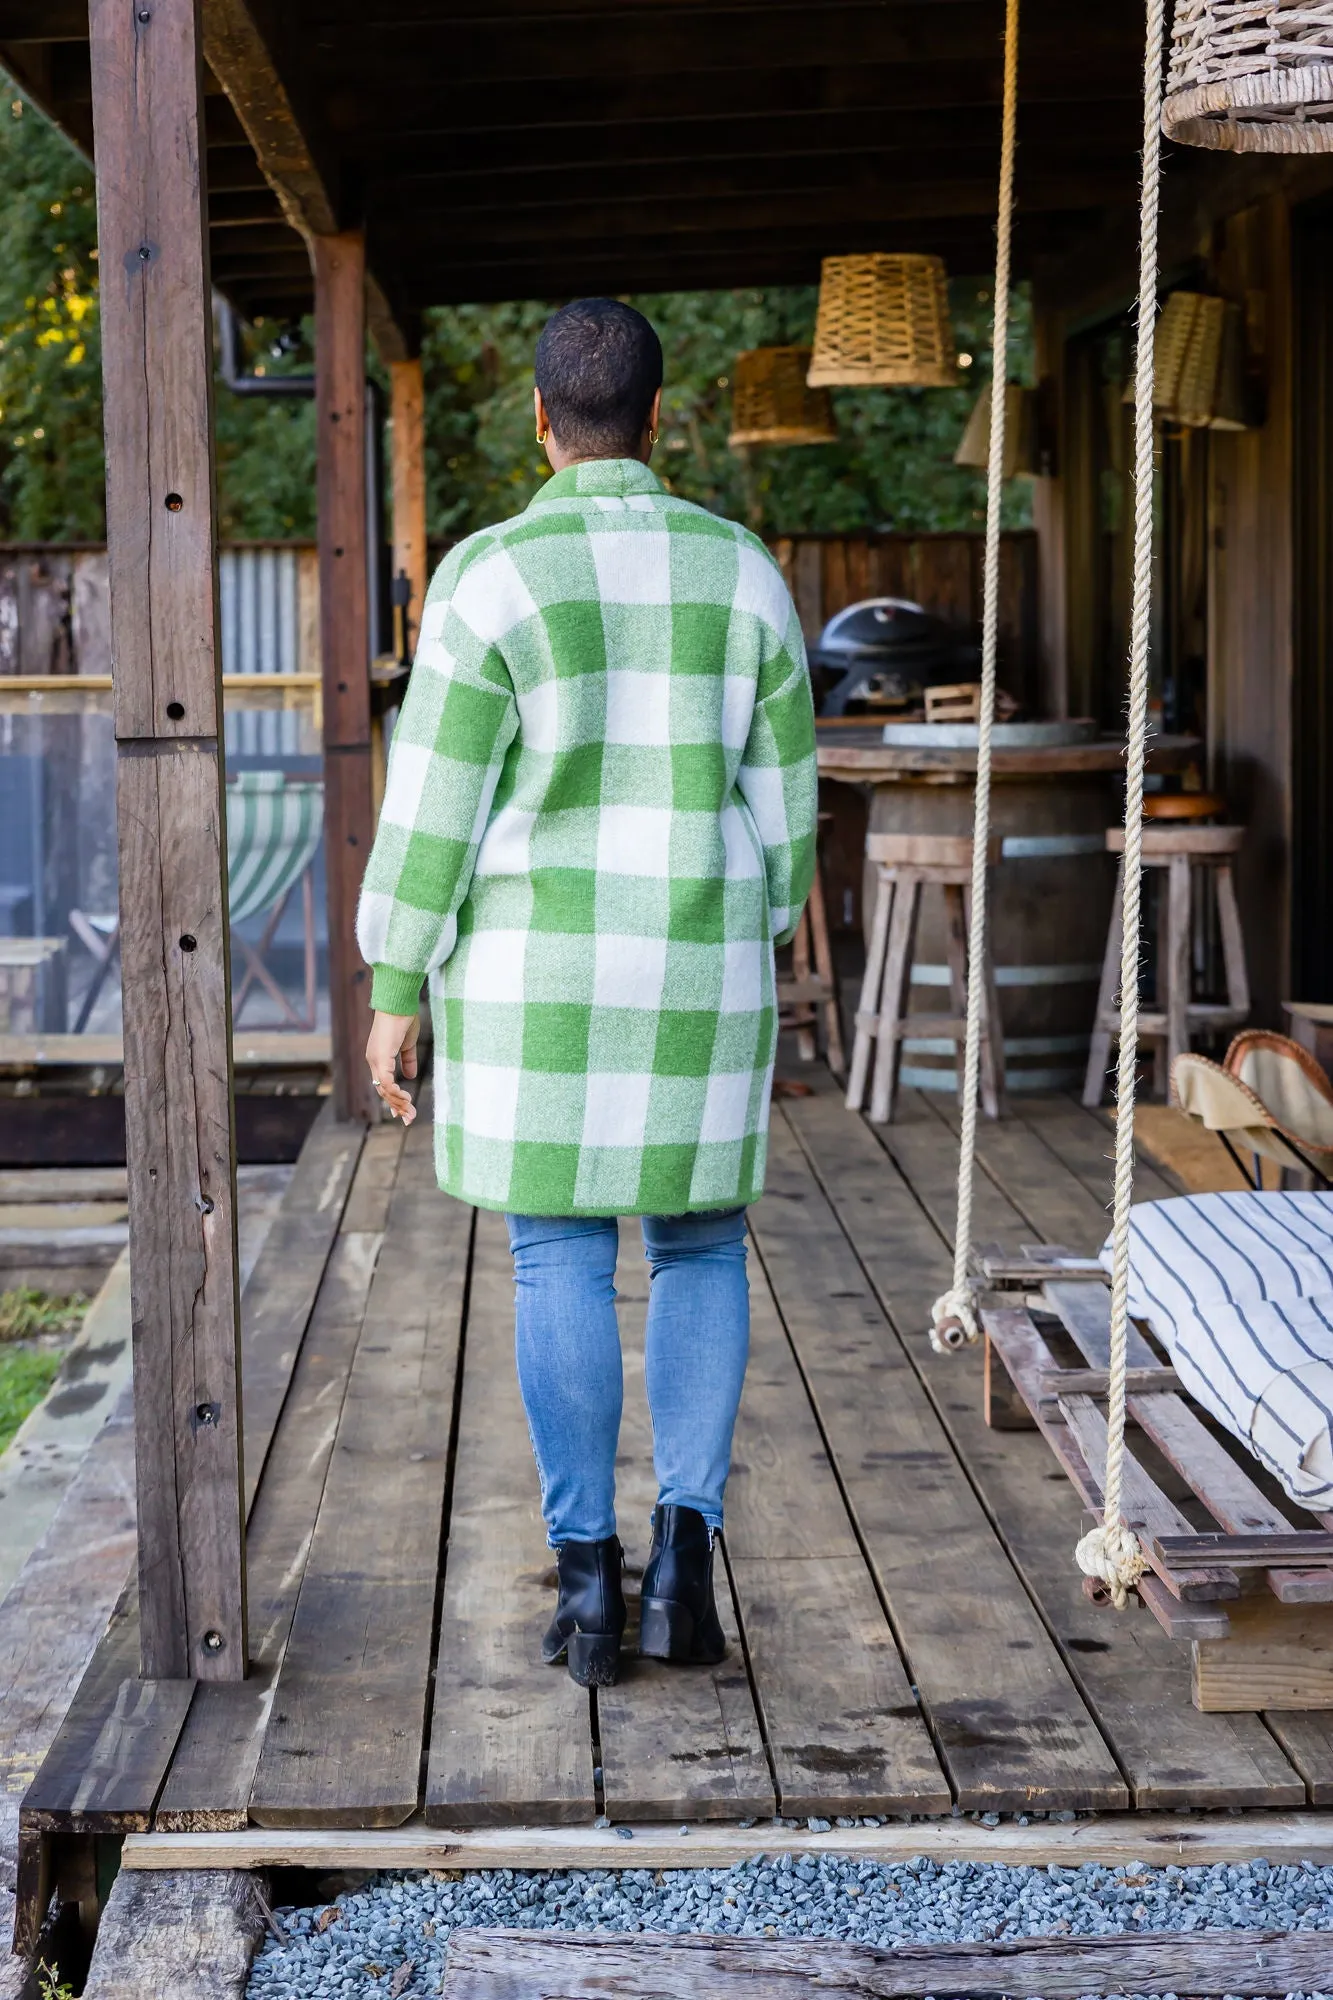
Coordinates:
1252	1590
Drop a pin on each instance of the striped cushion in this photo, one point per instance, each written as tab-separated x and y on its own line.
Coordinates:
1239	1288
273	830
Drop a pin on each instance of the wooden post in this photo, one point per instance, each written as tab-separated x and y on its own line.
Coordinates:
408	410
344	627
157	366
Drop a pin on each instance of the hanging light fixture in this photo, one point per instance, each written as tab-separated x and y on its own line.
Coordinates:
1187	351
884	319
1020	432
772	403
1251	76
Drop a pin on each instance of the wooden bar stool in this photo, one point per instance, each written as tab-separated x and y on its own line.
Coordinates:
1175	1016
805	992
906	864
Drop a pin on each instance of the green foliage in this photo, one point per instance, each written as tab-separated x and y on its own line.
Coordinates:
266	445
50	1986
50	386
892	466
25	1376
30	1323
26	1314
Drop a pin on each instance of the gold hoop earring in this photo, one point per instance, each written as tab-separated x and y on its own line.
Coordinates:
541	435
652	437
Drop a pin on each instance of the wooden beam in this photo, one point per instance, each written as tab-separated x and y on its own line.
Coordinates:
344	626
1106	1838
409	101
43	20
157	354
408	409
501	153
499	1964
183	1934
239	57
881	202
455	53
888	161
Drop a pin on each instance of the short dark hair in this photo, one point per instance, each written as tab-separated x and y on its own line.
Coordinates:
599	365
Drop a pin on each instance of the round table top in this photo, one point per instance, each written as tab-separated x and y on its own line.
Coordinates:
860	756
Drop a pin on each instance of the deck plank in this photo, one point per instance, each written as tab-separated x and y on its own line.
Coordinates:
1055	1205
1083	1142
1011	1725
104	1769
675	1745
843	1728
344	1742
107	1762
277	1302
1135	1679
213	1769
511	1739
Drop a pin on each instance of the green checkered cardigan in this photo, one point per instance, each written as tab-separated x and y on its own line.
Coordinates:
599	818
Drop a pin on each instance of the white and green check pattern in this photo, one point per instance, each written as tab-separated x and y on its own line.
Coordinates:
598	819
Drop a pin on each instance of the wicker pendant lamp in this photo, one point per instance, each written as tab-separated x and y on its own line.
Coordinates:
771	402
1252	76
1198	363
883	319
1020	428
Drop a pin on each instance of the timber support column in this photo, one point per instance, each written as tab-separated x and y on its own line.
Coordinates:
344	635
409	488
157	370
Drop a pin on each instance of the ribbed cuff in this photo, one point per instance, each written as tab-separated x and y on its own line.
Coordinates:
395	992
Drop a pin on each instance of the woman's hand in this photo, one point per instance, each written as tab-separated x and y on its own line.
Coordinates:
392	1036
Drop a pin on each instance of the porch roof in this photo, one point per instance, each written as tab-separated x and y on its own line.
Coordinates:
529	148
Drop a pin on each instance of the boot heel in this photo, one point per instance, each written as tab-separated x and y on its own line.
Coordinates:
666	1630
594	1659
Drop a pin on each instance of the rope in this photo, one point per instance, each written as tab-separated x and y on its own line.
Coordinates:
1111	1552
954	1318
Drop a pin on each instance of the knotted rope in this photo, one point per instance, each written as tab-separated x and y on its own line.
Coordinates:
954	1319
1111	1552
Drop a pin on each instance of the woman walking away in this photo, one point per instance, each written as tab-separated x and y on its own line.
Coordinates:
599	819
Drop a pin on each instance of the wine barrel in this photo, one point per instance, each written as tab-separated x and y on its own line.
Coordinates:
1050	905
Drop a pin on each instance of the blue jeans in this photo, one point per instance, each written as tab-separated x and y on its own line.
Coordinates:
569	1370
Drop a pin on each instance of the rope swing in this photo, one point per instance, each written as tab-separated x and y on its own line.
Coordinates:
954	1318
1111	1552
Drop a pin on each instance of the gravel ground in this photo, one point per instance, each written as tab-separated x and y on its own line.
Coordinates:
357	1948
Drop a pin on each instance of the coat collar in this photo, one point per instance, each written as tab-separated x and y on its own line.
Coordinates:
608	478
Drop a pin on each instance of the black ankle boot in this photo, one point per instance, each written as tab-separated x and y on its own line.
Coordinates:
679	1619
590	1615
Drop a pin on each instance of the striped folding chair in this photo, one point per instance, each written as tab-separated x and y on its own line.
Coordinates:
273	831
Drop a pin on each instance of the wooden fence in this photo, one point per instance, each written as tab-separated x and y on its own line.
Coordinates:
941	572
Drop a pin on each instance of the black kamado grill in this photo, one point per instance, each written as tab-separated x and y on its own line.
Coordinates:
884	651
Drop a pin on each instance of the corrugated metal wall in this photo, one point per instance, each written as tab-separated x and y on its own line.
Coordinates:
260	590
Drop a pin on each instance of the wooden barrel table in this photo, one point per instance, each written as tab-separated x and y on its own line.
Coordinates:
1050	893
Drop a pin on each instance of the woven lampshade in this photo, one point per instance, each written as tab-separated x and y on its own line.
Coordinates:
1020	432
1186	354
1251	76
884	319
771	402
1187	362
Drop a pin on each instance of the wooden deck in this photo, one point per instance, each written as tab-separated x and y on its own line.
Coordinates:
906	1622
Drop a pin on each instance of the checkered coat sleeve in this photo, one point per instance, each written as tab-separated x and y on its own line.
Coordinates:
599	817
